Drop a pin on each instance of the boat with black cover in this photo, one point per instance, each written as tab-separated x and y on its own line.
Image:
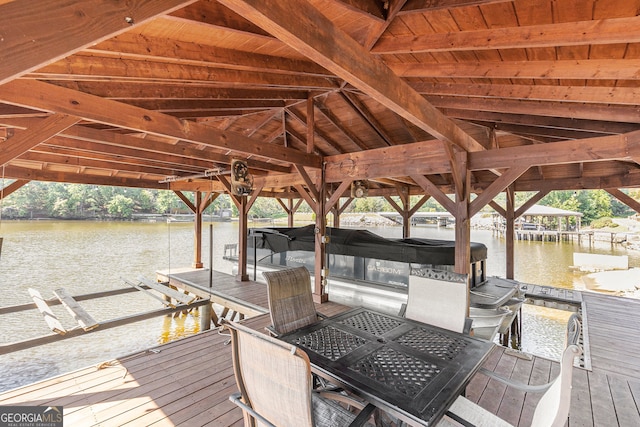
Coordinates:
365	269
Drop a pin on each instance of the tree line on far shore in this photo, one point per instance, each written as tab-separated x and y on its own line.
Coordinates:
77	201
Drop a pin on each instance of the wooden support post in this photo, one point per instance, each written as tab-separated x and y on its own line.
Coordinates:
197	232
205	317
290	213
319	294
509	232
242	240
214	317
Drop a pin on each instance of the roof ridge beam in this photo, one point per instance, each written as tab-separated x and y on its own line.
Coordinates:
334	50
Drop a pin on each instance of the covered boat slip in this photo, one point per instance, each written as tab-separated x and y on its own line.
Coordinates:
188	381
357	254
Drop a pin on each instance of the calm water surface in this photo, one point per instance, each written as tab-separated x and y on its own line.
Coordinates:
86	257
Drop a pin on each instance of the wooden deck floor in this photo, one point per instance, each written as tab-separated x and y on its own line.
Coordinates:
187	382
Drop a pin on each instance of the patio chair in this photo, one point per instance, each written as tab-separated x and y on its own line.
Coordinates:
553	408
439	298
274	379
290	301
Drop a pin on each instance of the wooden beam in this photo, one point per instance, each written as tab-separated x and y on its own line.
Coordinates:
24	141
595	32
428	157
624	198
15	185
532	201
36	33
186	201
308	181
334	50
83	67
497	186
583	111
419	6
580	94
14	172
49	97
373	9
502	211
304	193
590	69
133	45
431	189
614	147
335	197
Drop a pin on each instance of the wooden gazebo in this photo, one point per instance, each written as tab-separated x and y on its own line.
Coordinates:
459	100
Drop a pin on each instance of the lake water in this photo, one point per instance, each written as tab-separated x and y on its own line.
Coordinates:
87	257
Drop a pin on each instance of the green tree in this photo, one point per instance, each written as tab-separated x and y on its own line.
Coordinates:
167	202
121	206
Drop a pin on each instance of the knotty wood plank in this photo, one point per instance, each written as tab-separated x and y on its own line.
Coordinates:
604	31
38	33
40	95
26	140
83	318
50	318
353	63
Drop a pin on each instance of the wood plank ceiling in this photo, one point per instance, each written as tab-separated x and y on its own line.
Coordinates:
542	92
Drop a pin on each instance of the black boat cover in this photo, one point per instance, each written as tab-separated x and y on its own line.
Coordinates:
363	243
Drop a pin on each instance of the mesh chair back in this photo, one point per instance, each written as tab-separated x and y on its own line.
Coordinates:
274	378
290	300
553	408
438	298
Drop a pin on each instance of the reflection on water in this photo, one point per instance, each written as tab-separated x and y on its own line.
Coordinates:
179	326
87	257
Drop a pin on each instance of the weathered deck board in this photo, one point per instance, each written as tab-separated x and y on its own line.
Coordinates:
187	382
84	319
613	324
249	298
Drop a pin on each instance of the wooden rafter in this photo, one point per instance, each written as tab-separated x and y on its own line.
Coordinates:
592	69
37	33
42	131
49	97
418	6
354	64
603	31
